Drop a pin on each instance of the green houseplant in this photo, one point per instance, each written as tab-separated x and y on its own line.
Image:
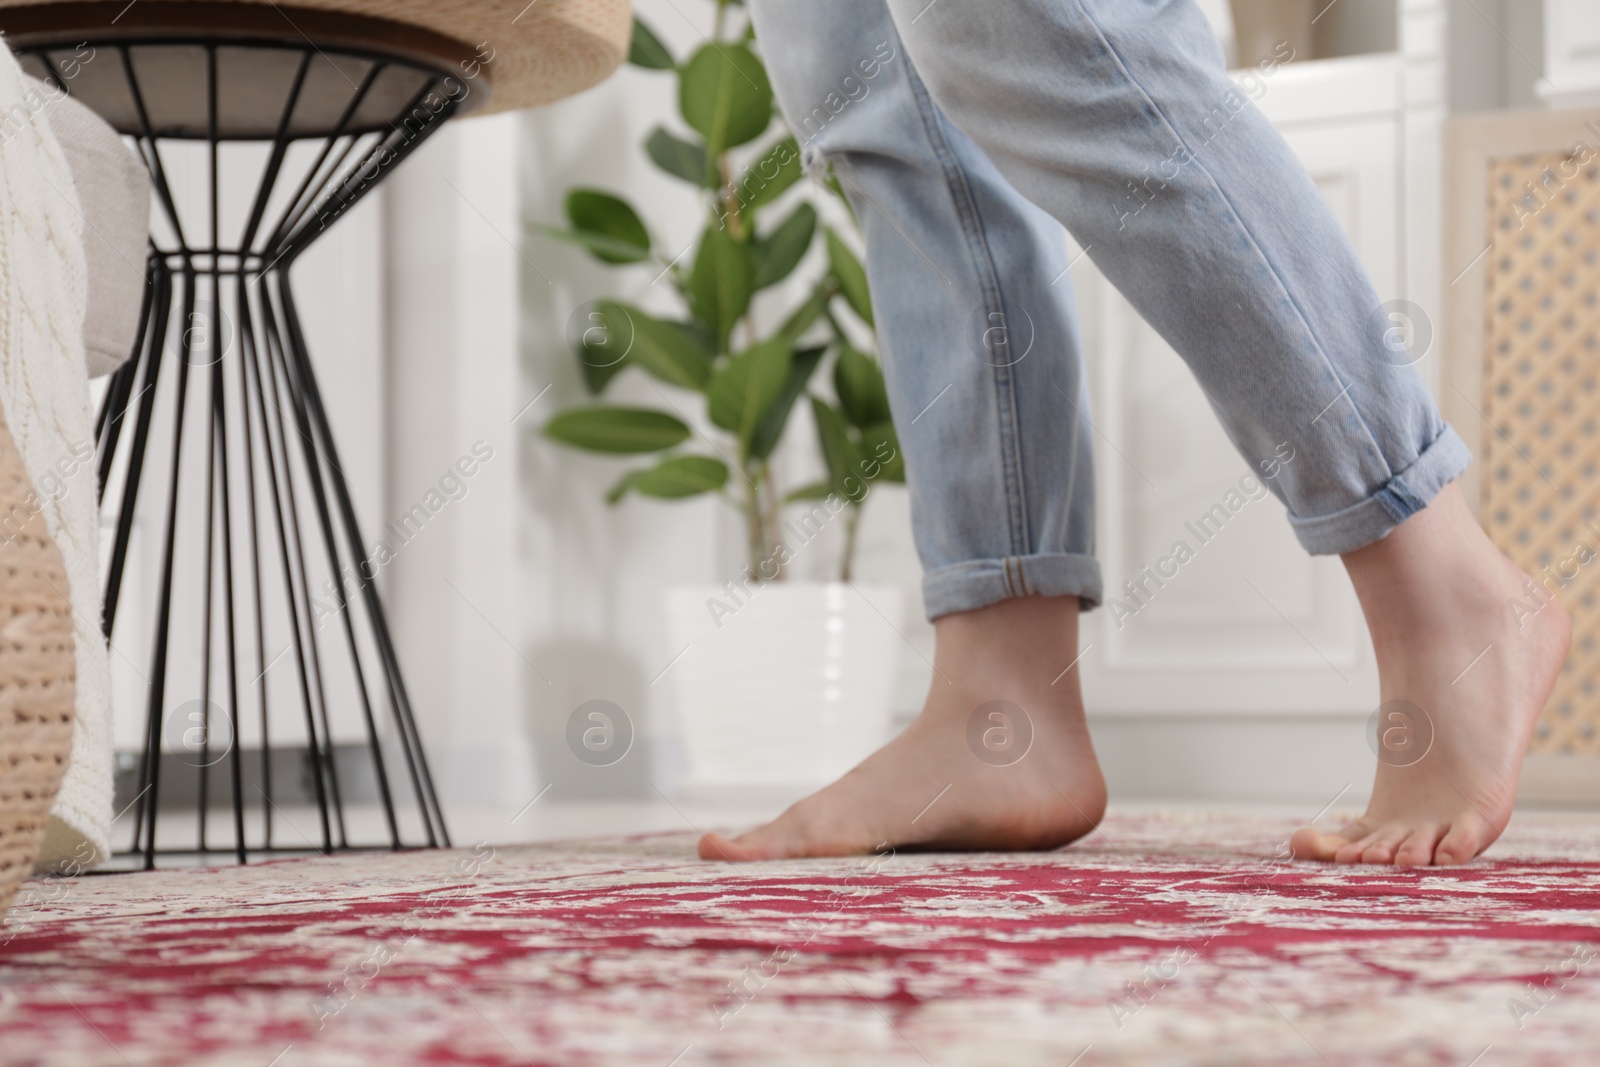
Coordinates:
758	228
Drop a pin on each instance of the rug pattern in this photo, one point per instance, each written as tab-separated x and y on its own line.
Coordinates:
1164	939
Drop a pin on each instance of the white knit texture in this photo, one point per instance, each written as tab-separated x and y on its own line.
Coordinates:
44	387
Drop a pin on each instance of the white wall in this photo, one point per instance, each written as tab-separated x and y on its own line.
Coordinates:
478	306
530	595
564	591
594	575
451	271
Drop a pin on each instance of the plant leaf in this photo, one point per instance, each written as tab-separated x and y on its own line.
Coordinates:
720	283
806	314
601	341
771	176
667	350
593	213
680	158
646	49
724	93
674	479
814	491
596	378
777	254
769	431
880	443
852	278
608	249
831	183
747	386
838	451
858	381
617	430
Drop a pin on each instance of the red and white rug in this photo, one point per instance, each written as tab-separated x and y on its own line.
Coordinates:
1163	940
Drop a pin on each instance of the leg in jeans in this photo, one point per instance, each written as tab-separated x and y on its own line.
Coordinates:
1116	118
976	322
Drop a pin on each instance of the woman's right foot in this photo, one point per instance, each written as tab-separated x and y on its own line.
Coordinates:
1464	675
998	759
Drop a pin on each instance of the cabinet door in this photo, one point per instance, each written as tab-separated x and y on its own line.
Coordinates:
1250	623
1572	53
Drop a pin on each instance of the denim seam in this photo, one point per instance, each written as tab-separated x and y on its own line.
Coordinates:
1079	437
1022	577
1002	378
1394	499
1156	111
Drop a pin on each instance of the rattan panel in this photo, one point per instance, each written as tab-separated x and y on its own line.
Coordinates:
1541	445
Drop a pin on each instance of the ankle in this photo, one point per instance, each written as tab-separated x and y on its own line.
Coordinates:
1437	569
1017	647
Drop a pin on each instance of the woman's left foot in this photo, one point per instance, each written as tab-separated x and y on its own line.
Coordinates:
999	758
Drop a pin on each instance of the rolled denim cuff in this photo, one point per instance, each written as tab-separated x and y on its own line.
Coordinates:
979	583
1403	496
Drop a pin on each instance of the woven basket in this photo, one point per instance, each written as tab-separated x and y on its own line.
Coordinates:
536	52
36	671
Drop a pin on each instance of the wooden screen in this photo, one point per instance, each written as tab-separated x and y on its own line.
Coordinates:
1541	432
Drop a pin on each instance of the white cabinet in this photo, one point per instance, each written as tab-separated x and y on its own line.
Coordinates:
1571	53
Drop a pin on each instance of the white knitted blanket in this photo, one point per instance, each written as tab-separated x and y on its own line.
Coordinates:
44	388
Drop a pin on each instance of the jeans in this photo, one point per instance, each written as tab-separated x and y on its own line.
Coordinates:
965	134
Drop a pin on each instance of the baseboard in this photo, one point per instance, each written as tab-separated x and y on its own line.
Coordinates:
1301	760
1298	760
467	775
287	777
1306	760
1567	781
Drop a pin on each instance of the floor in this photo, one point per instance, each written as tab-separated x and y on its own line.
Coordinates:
1176	937
542	818
297	827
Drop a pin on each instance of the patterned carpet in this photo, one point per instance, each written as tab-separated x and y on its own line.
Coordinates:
1163	940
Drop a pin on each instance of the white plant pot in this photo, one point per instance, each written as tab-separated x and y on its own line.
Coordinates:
786	689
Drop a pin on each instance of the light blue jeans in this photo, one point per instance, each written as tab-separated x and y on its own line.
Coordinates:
964	132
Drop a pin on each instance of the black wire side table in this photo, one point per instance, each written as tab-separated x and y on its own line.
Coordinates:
259	555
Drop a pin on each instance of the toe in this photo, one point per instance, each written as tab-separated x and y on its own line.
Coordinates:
1381	848
1417	849
1350	853
1359	843
1464	841
1309	843
717	847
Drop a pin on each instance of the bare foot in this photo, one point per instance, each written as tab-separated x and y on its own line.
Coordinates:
1026	779
1473	672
